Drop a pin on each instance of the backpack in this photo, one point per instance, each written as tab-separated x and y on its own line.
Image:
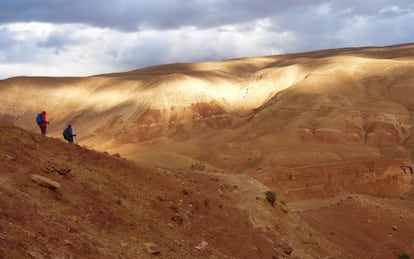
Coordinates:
39	119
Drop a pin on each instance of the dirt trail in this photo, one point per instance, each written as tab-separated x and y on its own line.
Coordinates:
314	204
342	162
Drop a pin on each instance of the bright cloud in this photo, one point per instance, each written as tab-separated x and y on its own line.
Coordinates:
78	38
73	49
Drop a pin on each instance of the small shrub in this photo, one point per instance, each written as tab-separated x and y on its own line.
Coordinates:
198	166
271	197
404	256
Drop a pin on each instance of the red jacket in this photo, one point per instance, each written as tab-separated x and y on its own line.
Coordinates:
44	121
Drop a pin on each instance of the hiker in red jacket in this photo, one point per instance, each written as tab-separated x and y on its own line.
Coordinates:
42	122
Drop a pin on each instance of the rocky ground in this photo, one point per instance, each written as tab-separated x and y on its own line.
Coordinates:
60	200
64	201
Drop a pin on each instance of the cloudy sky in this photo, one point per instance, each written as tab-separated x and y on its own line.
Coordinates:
87	37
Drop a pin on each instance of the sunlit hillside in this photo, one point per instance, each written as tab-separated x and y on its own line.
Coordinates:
330	132
337	104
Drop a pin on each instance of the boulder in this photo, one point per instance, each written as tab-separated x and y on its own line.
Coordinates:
152	248
45	182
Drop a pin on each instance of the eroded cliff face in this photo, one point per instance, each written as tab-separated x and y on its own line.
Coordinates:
383	178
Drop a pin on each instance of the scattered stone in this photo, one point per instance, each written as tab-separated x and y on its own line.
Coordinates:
202	245
287	250
124	244
45	182
8	157
47	170
369	221
152	248
67	242
395	228
177	219
52	169
283	247
63	171
36	255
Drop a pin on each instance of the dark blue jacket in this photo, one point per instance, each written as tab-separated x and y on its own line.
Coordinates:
68	134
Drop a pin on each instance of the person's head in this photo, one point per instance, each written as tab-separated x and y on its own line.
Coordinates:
43	112
69	126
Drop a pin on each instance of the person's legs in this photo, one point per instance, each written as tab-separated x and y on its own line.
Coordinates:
43	129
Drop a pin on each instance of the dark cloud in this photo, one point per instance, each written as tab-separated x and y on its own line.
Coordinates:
57	39
161	14
116	35
131	14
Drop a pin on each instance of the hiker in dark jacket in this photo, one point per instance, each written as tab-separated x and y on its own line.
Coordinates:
42	122
68	134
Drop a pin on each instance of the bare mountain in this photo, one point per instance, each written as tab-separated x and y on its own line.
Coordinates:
319	129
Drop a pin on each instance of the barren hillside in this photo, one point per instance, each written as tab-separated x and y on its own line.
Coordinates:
330	132
60	200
